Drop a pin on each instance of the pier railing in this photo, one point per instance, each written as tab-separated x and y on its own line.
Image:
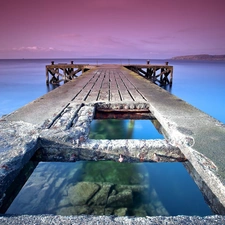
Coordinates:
159	74
55	73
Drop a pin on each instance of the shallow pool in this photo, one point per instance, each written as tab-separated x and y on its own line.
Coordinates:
124	129
110	188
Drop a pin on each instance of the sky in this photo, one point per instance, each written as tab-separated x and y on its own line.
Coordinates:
153	29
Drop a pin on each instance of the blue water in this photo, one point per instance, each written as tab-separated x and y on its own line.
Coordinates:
123	129
200	83
158	189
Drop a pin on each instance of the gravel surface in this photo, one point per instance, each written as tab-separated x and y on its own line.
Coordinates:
89	220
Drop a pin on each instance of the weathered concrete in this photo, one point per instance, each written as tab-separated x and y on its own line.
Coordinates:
108	220
59	120
70	143
200	137
65	138
131	151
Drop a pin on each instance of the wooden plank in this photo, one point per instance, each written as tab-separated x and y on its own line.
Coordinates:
132	90
114	93
104	89
94	93
86	87
124	93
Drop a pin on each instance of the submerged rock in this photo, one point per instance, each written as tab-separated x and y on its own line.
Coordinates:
73	210
122	199
109	211
120	212
82	192
137	178
102	195
139	212
98	210
114	172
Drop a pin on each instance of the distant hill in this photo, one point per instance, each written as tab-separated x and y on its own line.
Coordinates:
200	57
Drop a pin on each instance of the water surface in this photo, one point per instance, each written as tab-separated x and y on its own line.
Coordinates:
200	83
123	129
110	188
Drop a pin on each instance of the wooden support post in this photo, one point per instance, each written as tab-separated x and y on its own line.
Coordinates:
171	77
47	76
148	75
153	74
161	77
65	77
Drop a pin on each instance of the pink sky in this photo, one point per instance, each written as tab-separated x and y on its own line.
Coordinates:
152	29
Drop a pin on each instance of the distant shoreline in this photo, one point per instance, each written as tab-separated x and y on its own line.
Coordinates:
200	57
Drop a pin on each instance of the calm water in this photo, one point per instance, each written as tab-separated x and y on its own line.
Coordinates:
201	84
123	129
107	188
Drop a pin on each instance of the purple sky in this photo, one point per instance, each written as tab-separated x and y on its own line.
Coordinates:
152	29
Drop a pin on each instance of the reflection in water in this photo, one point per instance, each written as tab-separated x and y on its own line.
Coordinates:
51	87
124	129
110	188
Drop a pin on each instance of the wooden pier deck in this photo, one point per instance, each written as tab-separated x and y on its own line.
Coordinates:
106	83
160	74
60	119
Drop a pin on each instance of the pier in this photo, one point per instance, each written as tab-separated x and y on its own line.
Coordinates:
56	126
159	74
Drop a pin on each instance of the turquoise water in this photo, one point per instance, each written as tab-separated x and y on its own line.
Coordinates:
123	129
110	188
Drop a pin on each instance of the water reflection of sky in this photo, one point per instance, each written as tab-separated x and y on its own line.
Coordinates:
123	129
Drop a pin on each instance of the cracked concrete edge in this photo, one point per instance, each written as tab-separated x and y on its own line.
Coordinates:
136	150
213	201
206	169
76	137
208	175
130	150
31	136
18	143
20	140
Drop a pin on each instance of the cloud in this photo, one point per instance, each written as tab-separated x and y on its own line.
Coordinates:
33	49
81	45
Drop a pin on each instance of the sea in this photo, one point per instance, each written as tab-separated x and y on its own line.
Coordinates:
200	83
